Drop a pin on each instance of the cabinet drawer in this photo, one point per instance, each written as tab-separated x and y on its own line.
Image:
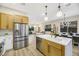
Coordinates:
55	45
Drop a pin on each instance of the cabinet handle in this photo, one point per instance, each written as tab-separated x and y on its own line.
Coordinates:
48	48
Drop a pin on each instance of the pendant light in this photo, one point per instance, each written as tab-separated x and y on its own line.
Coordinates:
59	13
64	21
46	18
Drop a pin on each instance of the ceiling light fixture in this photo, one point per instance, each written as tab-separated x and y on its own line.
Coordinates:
43	14
64	20
46	18
59	13
34	26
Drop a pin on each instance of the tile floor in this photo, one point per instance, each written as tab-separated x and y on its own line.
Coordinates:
30	51
75	51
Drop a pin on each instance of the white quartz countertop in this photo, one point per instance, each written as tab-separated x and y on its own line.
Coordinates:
60	40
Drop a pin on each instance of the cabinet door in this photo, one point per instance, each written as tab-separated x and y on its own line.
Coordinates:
44	47
10	22
53	51
4	21
17	19
24	19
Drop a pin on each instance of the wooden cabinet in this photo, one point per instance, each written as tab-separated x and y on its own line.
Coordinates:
6	20
49	48
55	49
10	22
3	21
44	47
24	19
17	19
21	19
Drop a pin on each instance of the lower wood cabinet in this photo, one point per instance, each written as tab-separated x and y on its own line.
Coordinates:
49	48
54	49
44	46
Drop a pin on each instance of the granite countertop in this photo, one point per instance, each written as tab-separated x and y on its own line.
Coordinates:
60	40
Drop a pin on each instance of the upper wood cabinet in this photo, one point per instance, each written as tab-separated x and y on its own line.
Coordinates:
17	19
24	19
21	19
10	22
3	21
7	20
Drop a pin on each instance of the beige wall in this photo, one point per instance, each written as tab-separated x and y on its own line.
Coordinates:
57	23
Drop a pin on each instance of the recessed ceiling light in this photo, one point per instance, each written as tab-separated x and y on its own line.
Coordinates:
34	26
43	14
59	13
46	18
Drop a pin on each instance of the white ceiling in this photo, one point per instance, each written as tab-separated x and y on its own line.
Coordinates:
35	10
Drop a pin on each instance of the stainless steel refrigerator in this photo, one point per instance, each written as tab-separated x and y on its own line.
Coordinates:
20	35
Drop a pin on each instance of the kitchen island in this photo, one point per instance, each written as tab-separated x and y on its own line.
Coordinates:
50	45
